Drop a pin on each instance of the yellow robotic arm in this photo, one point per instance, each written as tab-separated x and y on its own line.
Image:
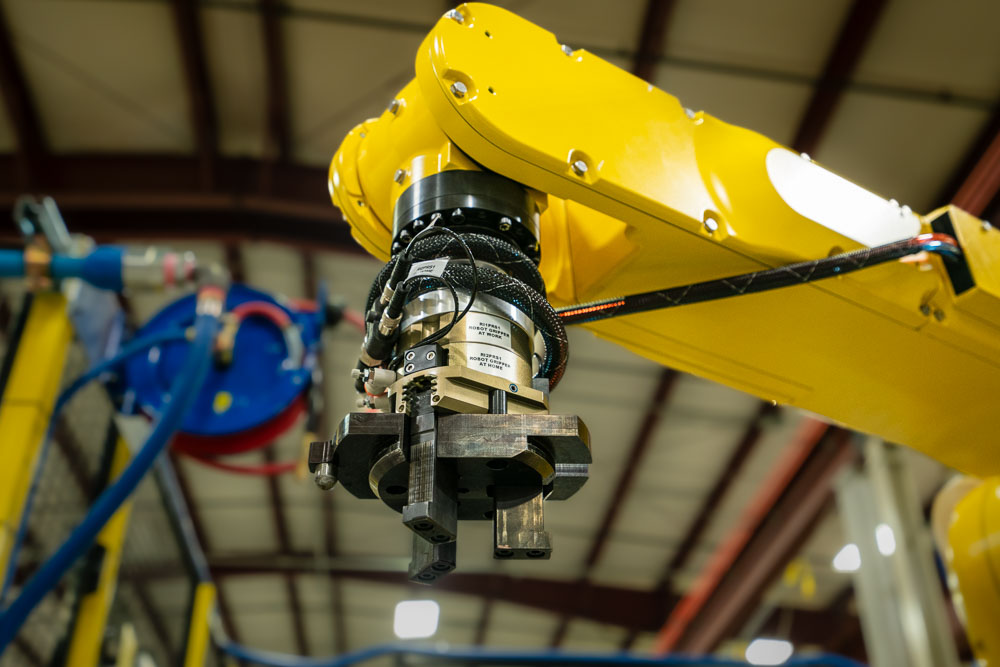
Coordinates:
617	189
635	193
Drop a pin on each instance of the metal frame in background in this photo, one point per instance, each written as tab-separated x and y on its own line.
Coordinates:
900	597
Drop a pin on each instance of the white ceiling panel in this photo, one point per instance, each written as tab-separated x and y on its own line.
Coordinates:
898	148
509	622
339	75
235	54
406	14
770	107
940	47
613	26
120	89
781	35
584	635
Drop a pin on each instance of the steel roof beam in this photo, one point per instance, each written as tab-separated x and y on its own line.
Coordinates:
29	652
198	523
622	607
155	620
17	97
730	550
979	192
788	525
747	444
201	100
652	38
279	140
852	39
633	462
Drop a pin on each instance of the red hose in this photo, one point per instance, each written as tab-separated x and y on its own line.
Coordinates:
263	309
355	319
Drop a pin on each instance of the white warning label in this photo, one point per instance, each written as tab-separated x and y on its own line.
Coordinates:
482	328
492	360
430	267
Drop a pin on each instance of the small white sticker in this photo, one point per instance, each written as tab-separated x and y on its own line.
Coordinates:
491	359
430	267
481	328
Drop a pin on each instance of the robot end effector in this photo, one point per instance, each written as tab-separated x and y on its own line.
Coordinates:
461	351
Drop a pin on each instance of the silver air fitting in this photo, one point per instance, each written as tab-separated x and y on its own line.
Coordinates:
154	268
387	293
387	325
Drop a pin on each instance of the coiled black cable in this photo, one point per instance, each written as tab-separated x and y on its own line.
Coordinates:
517	287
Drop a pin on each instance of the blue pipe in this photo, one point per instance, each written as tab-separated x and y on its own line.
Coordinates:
478	655
11	263
182	392
102	268
135	347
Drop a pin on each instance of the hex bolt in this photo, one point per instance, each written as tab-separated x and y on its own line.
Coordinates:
939	315
324	477
567	49
393	107
399	176
457	216
458	89
430	356
711	225
411	355
455	16
504	224
580	167
925	309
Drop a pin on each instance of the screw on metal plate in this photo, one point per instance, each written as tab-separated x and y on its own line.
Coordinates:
409	368
399	176
711	224
939	315
925	309
579	167
458	89
393	107
410	355
324	477
513	388
568	50
689	112
504	224
455	16
430	356
987	225
457	216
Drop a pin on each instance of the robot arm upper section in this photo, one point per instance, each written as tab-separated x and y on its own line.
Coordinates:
638	193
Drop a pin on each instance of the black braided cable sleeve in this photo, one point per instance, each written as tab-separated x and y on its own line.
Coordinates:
758	281
509	289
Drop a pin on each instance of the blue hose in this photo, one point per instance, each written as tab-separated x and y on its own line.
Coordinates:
182	392
477	655
133	348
